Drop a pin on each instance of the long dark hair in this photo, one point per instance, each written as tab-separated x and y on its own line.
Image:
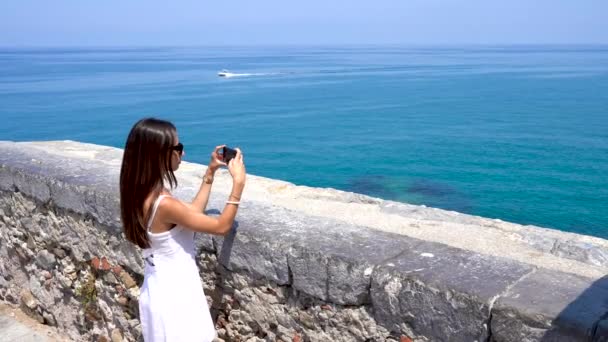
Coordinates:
146	166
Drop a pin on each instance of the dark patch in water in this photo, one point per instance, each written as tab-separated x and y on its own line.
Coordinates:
440	195
431	193
374	185
430	188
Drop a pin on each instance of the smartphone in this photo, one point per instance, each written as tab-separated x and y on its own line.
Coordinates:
227	154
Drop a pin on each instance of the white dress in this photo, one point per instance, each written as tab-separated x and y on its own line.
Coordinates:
172	304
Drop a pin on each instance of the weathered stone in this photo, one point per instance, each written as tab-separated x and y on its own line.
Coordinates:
69	268
37	316
59	252
550	306
102	264
116	336
127	280
95	263
49	319
255	253
64	281
340	272
441	291
134	323
133	292
110	278
122	301
244	330
45	259
117	270
72	276
105	310
28	299
307	320
31	244
204	242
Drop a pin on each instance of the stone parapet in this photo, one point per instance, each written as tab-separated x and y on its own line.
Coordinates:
301	264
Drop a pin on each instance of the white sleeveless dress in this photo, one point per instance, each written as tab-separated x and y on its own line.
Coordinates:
172	304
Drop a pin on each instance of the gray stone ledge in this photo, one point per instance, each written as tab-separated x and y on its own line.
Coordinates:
415	285
442	291
93	165
83	186
550	306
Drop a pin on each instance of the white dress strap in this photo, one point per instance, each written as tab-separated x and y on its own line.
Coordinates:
154	208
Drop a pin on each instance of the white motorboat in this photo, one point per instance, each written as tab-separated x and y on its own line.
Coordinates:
224	73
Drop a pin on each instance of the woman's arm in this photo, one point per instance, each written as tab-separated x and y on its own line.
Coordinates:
199	204
173	211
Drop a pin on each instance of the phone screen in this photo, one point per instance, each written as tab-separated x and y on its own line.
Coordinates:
228	153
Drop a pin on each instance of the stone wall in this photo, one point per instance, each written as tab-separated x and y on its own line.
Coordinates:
294	268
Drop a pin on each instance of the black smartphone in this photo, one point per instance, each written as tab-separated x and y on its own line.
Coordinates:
227	154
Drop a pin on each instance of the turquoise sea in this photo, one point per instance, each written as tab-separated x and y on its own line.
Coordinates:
518	133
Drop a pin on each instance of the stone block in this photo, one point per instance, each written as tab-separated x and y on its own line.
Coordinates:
440	292
550	306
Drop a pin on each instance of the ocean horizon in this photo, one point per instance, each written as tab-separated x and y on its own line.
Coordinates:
512	132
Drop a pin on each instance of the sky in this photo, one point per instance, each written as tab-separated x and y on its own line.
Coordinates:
279	22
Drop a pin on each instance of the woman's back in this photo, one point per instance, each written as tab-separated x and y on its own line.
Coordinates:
172	304
176	243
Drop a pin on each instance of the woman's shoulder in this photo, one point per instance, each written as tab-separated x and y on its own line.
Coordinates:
169	203
172	208
154	200
165	192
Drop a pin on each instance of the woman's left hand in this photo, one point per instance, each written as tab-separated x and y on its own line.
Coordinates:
216	161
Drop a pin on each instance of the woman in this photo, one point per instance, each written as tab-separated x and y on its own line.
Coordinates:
172	304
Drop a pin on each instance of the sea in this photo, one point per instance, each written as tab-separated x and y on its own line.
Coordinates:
517	133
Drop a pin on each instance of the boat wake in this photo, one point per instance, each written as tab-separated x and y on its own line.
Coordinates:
228	74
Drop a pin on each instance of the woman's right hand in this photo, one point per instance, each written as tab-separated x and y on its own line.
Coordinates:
237	168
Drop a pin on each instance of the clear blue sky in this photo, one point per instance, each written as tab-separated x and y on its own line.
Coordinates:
198	22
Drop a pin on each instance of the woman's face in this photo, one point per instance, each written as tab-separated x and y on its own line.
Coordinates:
176	155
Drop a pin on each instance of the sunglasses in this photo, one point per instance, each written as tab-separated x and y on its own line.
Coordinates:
179	148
